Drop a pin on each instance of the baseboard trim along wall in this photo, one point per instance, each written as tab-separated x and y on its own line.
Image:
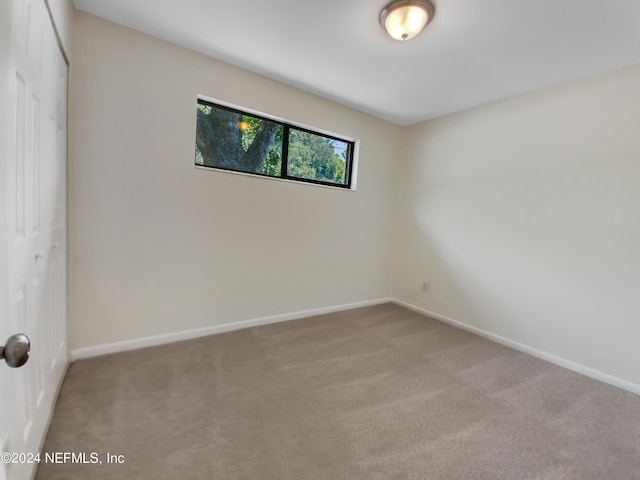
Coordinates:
99	350
563	362
155	340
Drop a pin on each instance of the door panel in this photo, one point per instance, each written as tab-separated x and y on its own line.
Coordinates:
8	406
32	222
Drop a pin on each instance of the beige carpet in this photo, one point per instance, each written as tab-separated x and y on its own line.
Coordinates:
373	393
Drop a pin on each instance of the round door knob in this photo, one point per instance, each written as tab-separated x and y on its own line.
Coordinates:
16	351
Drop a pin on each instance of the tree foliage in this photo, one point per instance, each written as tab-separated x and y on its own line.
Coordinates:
219	140
312	156
231	140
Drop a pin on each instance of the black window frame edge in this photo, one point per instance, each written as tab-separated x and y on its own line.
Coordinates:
353	145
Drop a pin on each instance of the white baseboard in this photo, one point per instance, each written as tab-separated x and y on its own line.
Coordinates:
106	349
563	362
134	344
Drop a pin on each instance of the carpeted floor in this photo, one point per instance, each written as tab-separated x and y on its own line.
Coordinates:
373	393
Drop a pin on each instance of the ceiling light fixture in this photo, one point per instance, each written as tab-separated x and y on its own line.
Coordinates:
404	19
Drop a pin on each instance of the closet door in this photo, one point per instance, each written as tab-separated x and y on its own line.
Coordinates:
32	225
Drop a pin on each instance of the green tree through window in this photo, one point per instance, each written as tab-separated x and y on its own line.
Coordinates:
230	139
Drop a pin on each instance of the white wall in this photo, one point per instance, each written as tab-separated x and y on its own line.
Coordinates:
158	246
525	215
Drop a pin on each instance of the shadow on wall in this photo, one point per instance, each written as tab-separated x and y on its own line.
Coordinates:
521	215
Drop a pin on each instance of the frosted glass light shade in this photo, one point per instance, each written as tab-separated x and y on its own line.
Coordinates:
404	19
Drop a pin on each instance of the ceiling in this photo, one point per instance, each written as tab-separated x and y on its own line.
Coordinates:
472	53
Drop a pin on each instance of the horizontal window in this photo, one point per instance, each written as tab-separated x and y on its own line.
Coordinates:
230	139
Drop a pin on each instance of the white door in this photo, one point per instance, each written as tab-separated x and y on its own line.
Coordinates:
7	398
32	223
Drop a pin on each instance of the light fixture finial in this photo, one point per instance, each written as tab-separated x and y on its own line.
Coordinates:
404	19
